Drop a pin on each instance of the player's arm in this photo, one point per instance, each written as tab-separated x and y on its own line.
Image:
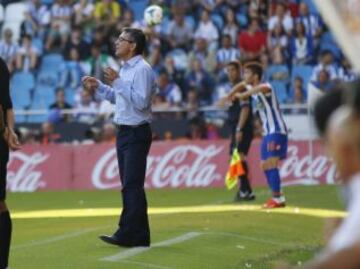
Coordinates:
241	86
244	114
254	90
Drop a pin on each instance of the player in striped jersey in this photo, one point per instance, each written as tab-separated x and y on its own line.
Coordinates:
274	143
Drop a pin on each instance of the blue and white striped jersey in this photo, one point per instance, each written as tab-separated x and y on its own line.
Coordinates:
268	107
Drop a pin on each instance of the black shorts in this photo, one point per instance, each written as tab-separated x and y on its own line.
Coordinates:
4	158
245	143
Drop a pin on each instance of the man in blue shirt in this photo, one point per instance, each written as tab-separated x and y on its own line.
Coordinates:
131	91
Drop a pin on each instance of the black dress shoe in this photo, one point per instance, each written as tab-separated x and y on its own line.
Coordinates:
114	240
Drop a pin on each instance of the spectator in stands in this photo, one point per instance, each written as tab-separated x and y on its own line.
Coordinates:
71	71
48	135
76	41
278	71
312	23
201	80
301	46
224	55
27	56
299	91
128	20
231	27
107	13
168	90
108	133
106	110
8	49
208	31
283	17
326	63
259	9
37	19
83	15
60	102
100	40
61	13
95	65
155	60
86	109
201	52
192	104
197	129
180	33
252	42
277	38
176	75
323	81
346	72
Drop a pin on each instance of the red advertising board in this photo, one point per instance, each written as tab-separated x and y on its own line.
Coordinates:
170	165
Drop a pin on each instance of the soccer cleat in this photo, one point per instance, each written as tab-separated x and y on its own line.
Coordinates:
244	196
274	203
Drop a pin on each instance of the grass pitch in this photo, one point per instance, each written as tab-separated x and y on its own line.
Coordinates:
191	228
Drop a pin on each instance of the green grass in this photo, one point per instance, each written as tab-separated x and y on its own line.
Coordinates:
235	239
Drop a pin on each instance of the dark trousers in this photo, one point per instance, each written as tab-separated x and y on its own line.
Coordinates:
133	145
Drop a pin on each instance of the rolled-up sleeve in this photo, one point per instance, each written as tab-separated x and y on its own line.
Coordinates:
139	91
106	92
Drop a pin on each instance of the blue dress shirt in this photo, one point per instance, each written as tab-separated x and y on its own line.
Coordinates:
131	93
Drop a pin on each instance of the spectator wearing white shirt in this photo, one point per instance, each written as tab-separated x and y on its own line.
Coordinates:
207	30
283	17
27	56
180	33
226	54
8	49
313	24
83	14
347	72
37	19
86	111
231	28
277	38
327	64
169	91
61	13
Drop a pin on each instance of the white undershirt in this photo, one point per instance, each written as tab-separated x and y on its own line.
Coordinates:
349	231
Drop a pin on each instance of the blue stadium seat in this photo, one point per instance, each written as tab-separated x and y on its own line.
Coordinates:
242	19
52	62
165	25
331	47
281	91
190	21
47	78
276	68
38	104
303	71
218	21
21	85
38	44
138	7
70	96
44	95
312	7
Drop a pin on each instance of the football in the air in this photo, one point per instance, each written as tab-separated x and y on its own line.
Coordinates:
153	15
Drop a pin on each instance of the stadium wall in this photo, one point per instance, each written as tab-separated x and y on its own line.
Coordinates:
170	165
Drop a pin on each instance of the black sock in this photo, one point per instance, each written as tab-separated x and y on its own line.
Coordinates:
244	180
5	238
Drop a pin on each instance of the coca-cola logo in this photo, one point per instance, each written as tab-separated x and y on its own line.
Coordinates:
181	166
26	178
307	169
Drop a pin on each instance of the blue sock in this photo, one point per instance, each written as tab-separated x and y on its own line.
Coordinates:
273	179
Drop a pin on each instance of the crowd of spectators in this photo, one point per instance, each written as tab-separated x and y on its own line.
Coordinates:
188	51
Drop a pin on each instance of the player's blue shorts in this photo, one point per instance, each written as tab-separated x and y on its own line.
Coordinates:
274	145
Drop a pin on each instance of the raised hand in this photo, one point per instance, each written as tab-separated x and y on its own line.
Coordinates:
90	83
110	75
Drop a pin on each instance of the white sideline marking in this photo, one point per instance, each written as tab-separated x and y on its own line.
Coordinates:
57	238
135	251
145	265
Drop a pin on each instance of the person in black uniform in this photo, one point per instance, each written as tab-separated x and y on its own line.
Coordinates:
240	121
8	139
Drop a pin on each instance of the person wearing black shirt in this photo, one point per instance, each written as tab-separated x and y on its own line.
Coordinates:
240	121
8	140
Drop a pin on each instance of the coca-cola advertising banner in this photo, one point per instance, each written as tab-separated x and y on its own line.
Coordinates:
170	165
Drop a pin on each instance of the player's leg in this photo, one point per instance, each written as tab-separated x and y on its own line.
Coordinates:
5	220
273	149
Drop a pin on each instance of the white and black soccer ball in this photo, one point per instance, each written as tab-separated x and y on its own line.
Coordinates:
153	15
